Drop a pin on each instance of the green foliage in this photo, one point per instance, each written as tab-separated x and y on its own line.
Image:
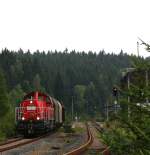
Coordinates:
131	134
120	141
8	124
7	127
140	63
58	73
37	84
6	119
2	136
91	100
79	130
15	96
87	77
3	95
58	87
79	92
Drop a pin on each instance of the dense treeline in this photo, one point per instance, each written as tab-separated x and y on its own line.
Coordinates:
85	78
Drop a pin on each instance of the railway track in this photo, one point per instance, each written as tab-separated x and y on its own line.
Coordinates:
84	147
89	146
79	149
100	130
104	150
12	144
10	141
19	145
98	127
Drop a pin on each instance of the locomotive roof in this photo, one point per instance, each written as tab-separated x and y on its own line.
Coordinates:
41	94
32	94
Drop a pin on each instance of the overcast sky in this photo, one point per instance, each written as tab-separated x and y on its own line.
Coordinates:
86	25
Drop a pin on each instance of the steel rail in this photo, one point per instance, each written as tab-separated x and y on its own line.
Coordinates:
83	147
106	151
13	146
11	141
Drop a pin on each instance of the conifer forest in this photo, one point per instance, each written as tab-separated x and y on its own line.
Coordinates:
84	80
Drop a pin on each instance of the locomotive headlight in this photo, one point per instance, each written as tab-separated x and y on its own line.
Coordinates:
38	118
23	118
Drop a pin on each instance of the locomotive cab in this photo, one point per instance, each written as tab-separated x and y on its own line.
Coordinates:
35	114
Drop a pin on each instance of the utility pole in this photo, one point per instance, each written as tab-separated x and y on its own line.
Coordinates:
128	96
127	73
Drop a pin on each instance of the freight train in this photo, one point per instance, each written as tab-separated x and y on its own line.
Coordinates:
38	113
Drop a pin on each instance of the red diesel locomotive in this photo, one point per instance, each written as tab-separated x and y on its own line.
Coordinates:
38	113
